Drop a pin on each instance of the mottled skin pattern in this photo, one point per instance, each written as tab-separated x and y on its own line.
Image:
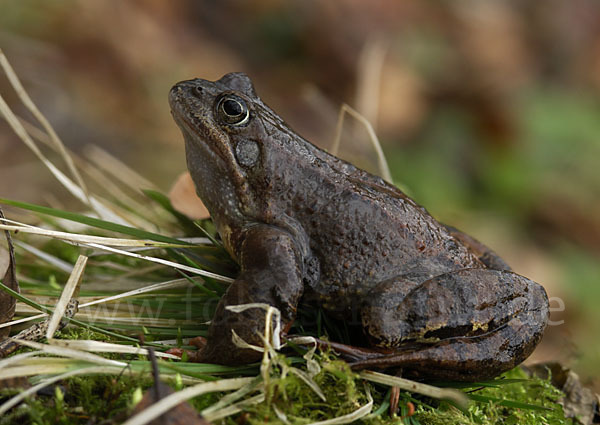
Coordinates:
301	222
37	331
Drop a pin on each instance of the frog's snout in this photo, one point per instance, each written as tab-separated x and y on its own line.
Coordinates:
184	89
174	95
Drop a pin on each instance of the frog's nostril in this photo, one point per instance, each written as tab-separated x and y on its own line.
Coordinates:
197	90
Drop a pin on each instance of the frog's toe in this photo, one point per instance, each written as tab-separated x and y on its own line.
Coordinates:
193	356
199	342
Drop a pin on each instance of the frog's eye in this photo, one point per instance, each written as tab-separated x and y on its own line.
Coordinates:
233	110
247	152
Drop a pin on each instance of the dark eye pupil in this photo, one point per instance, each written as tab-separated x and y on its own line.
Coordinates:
232	108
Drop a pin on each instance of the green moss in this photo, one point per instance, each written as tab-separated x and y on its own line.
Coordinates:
80	400
533	391
344	393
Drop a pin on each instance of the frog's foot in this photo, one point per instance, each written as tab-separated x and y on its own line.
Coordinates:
466	325
199	342
193	356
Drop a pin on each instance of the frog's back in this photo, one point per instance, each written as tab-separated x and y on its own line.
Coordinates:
364	230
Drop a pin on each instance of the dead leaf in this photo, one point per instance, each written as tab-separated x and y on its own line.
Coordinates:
184	199
579	402
9	278
182	414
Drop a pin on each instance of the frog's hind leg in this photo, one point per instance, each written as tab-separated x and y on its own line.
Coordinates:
465	325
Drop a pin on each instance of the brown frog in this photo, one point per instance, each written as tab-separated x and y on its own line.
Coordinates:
431	300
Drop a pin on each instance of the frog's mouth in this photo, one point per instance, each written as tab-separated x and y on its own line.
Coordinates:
209	155
194	121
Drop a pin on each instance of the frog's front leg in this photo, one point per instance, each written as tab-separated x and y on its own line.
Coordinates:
466	325
271	273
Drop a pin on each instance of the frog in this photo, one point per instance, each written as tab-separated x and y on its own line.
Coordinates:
307	226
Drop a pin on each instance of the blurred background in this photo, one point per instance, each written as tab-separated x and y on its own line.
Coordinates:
488	112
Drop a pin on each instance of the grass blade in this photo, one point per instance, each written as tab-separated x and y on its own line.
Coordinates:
93	222
508	403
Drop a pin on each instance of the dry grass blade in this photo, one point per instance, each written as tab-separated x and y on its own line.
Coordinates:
48	258
106	347
70	288
270	337
416	387
77	238
33	370
234	408
369	70
39	367
163	262
140	218
4	363
170	284
20	90
20	131
23	320
229	399
174	399
272	314
282	416
116	168
75	190
384	169
71	353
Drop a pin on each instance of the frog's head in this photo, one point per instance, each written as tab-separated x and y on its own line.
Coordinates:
224	129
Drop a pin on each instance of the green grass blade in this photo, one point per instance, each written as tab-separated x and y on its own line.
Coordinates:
215	242
93	222
162	200
24	300
493	383
507	403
